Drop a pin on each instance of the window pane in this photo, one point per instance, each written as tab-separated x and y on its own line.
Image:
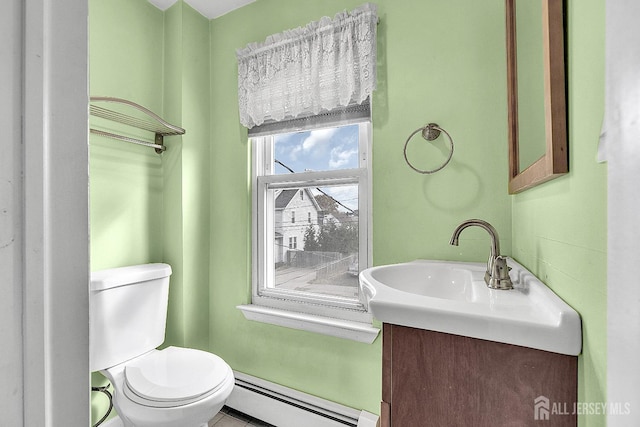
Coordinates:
318	256
317	150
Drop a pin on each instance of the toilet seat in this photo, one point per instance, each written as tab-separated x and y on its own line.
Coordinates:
173	377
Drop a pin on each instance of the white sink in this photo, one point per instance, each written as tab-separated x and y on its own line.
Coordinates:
452	297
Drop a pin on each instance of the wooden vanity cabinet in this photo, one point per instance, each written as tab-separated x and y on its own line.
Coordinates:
443	380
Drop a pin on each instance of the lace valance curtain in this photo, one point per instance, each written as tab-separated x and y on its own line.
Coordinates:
326	65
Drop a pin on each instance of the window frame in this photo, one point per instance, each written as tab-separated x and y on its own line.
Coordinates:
263	257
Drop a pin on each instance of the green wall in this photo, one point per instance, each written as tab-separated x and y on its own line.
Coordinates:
186	175
125	180
450	70
438	62
559	228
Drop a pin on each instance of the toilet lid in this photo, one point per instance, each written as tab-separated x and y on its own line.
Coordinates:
175	374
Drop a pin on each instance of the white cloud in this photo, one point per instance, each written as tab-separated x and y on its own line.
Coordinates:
340	156
318	136
293	154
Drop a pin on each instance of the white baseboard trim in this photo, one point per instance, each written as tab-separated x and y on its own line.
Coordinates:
285	407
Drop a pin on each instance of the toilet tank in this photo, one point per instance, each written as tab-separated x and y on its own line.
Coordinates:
127	313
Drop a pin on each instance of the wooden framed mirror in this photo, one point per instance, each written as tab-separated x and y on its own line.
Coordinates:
536	92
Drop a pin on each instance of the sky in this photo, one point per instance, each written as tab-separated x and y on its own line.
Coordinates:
318	150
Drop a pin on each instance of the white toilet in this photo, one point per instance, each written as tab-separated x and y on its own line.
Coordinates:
161	388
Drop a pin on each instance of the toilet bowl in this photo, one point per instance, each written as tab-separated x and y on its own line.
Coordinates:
171	387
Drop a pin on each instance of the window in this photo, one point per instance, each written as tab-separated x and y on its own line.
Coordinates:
306	101
317	273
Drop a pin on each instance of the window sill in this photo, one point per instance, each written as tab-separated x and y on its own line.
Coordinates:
355	331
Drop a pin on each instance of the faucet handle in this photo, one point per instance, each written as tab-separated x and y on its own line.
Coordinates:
499	275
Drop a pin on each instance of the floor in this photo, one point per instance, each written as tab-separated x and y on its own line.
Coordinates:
228	417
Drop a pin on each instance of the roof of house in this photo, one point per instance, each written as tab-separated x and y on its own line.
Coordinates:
285	196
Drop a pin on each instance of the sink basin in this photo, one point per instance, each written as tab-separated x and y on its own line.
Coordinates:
452	297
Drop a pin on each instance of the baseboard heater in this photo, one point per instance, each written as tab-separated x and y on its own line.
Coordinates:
285	407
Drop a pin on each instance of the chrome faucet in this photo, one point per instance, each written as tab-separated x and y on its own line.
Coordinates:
497	275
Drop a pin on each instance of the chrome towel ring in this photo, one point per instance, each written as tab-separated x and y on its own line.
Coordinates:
430	132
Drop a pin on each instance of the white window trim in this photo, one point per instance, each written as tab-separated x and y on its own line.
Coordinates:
347	329
346	319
